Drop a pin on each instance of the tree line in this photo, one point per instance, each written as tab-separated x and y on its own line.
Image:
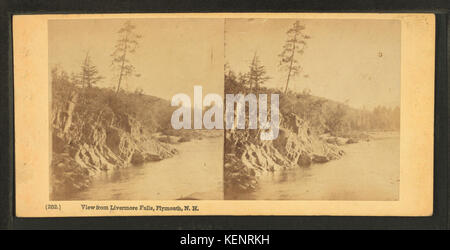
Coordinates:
325	116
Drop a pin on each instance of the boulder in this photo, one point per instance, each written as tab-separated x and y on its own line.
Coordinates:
169	139
137	158
304	160
319	158
351	141
341	141
184	139
336	141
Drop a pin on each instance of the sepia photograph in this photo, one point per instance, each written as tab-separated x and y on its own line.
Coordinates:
338	83
224	114
217	125
112	82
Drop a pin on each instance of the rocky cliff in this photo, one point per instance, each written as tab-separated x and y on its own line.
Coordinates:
89	139
247	157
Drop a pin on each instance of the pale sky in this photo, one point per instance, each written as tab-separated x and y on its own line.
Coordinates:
173	54
342	58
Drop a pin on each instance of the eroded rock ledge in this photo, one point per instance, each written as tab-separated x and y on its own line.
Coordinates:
246	156
88	142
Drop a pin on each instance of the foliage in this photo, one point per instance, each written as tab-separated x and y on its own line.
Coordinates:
125	46
154	113
256	75
294	45
324	115
88	75
62	87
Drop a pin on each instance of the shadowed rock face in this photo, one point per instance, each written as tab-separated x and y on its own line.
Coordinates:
247	157
97	141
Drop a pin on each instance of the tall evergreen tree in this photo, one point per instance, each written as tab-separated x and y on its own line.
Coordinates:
294	45
256	76
89	76
125	46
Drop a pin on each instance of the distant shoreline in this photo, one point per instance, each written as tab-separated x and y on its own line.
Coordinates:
383	134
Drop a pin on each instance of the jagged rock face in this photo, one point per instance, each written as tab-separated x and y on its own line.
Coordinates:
239	175
247	157
67	175
97	141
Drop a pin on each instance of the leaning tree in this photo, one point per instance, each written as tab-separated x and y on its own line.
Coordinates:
293	47
125	46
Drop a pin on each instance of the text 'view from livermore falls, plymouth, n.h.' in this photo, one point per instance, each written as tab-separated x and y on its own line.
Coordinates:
310	108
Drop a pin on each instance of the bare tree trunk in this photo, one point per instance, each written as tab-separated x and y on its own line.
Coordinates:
70	109
120	78
290	65
289	76
123	63
252	73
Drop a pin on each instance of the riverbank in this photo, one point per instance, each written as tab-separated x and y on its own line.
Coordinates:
196	172
369	170
98	130
247	157
96	143
375	135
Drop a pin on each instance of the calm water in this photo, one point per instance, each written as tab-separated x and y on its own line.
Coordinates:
197	171
368	171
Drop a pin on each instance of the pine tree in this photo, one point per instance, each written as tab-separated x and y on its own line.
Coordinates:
294	45
125	46
256	76
88	77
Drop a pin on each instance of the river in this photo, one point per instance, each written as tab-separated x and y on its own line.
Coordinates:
368	171
196	172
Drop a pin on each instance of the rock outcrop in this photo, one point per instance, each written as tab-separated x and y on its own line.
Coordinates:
246	156
86	142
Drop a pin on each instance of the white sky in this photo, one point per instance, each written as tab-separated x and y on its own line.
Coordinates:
342	59
172	57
